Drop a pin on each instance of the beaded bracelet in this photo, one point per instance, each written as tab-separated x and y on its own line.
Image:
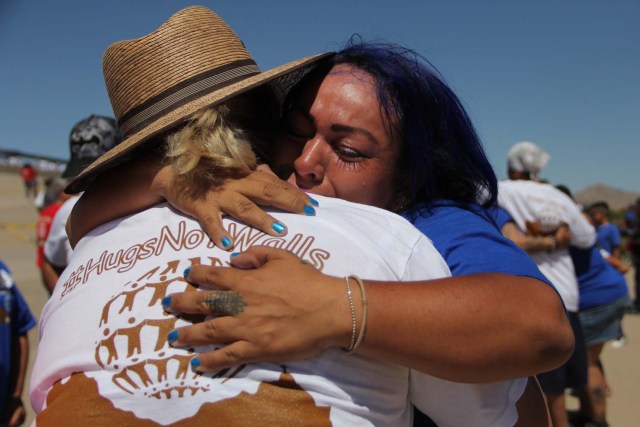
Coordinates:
355	342
352	344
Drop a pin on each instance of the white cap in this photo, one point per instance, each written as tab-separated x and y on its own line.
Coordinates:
528	157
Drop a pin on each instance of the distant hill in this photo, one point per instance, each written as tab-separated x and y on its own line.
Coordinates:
616	198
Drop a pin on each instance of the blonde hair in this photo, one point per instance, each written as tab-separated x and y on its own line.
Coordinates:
209	149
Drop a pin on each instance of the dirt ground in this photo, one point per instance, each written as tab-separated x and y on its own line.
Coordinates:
17	250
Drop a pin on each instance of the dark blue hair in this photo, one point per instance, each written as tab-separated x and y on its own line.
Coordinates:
441	155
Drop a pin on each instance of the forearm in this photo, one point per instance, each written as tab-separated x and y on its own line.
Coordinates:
478	328
120	192
20	359
529	243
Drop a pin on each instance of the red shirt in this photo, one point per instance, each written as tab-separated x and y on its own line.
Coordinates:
43	226
28	173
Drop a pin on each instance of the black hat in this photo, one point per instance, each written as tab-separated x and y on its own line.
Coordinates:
90	138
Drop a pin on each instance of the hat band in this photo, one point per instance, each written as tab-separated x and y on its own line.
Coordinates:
140	116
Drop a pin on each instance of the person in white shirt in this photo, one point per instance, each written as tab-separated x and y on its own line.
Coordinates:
541	214
103	350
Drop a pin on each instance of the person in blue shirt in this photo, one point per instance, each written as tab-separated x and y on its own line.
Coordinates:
15	321
604	297
608	233
378	126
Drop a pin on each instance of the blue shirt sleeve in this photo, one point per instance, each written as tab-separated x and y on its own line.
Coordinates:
23	320
501	216
470	241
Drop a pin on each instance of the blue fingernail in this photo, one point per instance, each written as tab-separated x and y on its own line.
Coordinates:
186	272
313	201
226	242
235	254
172	336
166	302
309	211
279	228
195	362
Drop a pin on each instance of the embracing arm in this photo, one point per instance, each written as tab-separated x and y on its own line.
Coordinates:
142	183
476	328
533	241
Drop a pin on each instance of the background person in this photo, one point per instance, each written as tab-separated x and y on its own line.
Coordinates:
608	235
540	212
29	176
48	274
15	321
633	243
603	300
89	139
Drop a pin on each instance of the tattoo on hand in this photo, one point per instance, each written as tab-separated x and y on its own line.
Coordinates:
227	303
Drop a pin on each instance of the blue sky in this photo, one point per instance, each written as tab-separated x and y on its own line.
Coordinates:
564	74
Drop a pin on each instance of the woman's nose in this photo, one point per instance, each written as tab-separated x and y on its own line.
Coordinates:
309	166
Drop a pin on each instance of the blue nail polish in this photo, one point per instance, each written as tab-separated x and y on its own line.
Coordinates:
279	228
313	201
166	302
186	272
235	254
172	336
226	242
309	211
195	362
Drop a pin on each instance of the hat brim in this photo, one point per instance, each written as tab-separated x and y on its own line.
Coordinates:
119	153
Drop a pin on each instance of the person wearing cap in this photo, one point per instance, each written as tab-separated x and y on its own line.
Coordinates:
89	139
103	350
545	222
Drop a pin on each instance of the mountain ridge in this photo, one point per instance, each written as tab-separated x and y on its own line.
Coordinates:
617	198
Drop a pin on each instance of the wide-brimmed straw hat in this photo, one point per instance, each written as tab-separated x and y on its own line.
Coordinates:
157	81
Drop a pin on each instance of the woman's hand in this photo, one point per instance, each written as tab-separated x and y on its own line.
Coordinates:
276	308
238	198
562	237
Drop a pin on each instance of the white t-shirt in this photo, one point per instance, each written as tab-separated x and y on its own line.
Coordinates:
543	203
57	249
103	354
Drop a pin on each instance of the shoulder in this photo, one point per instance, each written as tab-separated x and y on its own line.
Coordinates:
363	217
450	218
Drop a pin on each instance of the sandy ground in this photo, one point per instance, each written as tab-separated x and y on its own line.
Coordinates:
17	250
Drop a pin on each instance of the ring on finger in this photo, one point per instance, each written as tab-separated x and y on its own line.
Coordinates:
225	303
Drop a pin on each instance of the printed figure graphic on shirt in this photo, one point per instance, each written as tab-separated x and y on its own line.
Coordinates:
131	348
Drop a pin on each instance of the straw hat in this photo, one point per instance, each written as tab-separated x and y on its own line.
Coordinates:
157	81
